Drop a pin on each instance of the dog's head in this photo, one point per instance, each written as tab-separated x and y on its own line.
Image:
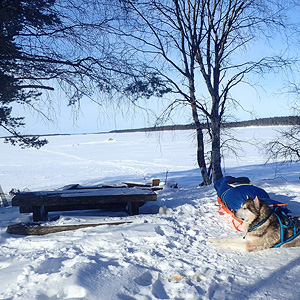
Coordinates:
250	210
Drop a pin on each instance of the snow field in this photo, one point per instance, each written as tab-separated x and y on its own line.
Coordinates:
163	253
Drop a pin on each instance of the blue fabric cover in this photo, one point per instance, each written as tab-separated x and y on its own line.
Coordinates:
233	197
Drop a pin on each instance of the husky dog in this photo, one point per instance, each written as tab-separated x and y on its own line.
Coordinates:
264	228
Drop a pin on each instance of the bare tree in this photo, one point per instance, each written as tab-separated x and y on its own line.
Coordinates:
197	47
286	146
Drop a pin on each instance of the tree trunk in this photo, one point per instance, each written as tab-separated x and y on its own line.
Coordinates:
200	147
199	132
216	148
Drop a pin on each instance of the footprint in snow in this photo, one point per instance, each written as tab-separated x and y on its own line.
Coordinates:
144	279
158	290
49	266
159	230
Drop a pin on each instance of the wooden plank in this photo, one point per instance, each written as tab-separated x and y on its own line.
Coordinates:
145	185
133	208
39	214
35	229
28	209
32	200
52	199
66	198
91	187
133	184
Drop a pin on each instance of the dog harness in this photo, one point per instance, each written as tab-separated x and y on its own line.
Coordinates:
282	226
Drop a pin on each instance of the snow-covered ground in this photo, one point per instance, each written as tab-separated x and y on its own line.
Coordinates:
159	255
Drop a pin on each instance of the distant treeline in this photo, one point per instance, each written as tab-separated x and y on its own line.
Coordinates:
274	121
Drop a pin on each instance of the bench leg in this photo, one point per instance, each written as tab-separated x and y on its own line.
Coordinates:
133	208
39	214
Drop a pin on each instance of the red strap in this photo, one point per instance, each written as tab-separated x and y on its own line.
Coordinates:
236	222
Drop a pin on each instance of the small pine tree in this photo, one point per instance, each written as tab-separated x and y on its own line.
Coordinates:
19	21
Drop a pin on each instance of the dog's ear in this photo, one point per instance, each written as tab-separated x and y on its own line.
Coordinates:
249	198
256	202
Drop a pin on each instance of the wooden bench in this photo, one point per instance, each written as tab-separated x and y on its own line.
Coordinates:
42	202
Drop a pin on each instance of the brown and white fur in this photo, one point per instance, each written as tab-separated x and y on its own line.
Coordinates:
265	236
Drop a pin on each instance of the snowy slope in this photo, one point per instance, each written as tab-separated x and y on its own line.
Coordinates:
163	253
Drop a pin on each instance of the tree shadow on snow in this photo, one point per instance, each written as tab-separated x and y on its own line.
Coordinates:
107	278
269	172
188	192
278	282
183	178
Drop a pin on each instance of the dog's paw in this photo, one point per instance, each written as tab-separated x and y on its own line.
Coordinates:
218	243
214	241
236	244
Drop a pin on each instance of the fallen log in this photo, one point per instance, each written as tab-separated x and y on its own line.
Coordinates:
37	229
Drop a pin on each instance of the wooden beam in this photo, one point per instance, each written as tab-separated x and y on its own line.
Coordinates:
119	206
36	229
75	197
